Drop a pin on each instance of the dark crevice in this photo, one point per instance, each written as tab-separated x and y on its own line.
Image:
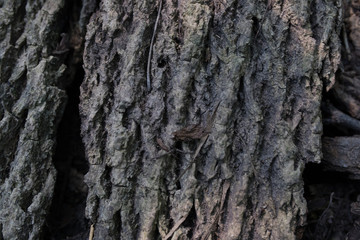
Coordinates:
106	181
190	221
256	26
117	228
156	234
327	220
162	61
66	219
1	230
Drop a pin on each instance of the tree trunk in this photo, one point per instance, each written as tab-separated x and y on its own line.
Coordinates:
266	63
33	78
197	116
32	103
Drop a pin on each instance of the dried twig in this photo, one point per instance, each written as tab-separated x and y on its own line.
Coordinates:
323	226
175	227
148	81
91	234
201	144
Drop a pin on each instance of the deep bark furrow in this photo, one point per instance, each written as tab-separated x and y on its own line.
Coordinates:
266	64
39	40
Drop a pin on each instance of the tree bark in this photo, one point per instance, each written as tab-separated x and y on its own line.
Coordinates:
33	77
32	103
210	143
265	62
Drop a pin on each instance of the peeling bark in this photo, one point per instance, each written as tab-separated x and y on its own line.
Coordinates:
267	62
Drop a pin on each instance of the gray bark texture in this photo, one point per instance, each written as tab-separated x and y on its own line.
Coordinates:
31	105
207	139
32	96
266	62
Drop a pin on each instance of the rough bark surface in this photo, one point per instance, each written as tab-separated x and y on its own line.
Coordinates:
342	154
266	61
332	187
31	104
33	77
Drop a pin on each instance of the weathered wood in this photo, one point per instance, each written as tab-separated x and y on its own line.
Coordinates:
342	154
334	219
266	61
334	118
346	94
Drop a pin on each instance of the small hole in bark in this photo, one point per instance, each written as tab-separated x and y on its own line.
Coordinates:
177	40
256	25
161	62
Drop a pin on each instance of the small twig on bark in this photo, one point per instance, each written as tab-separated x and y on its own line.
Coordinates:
148	80
323	226
175	227
91	234
201	144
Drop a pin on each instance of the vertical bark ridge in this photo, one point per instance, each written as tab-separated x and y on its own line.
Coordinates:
265	62
32	102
